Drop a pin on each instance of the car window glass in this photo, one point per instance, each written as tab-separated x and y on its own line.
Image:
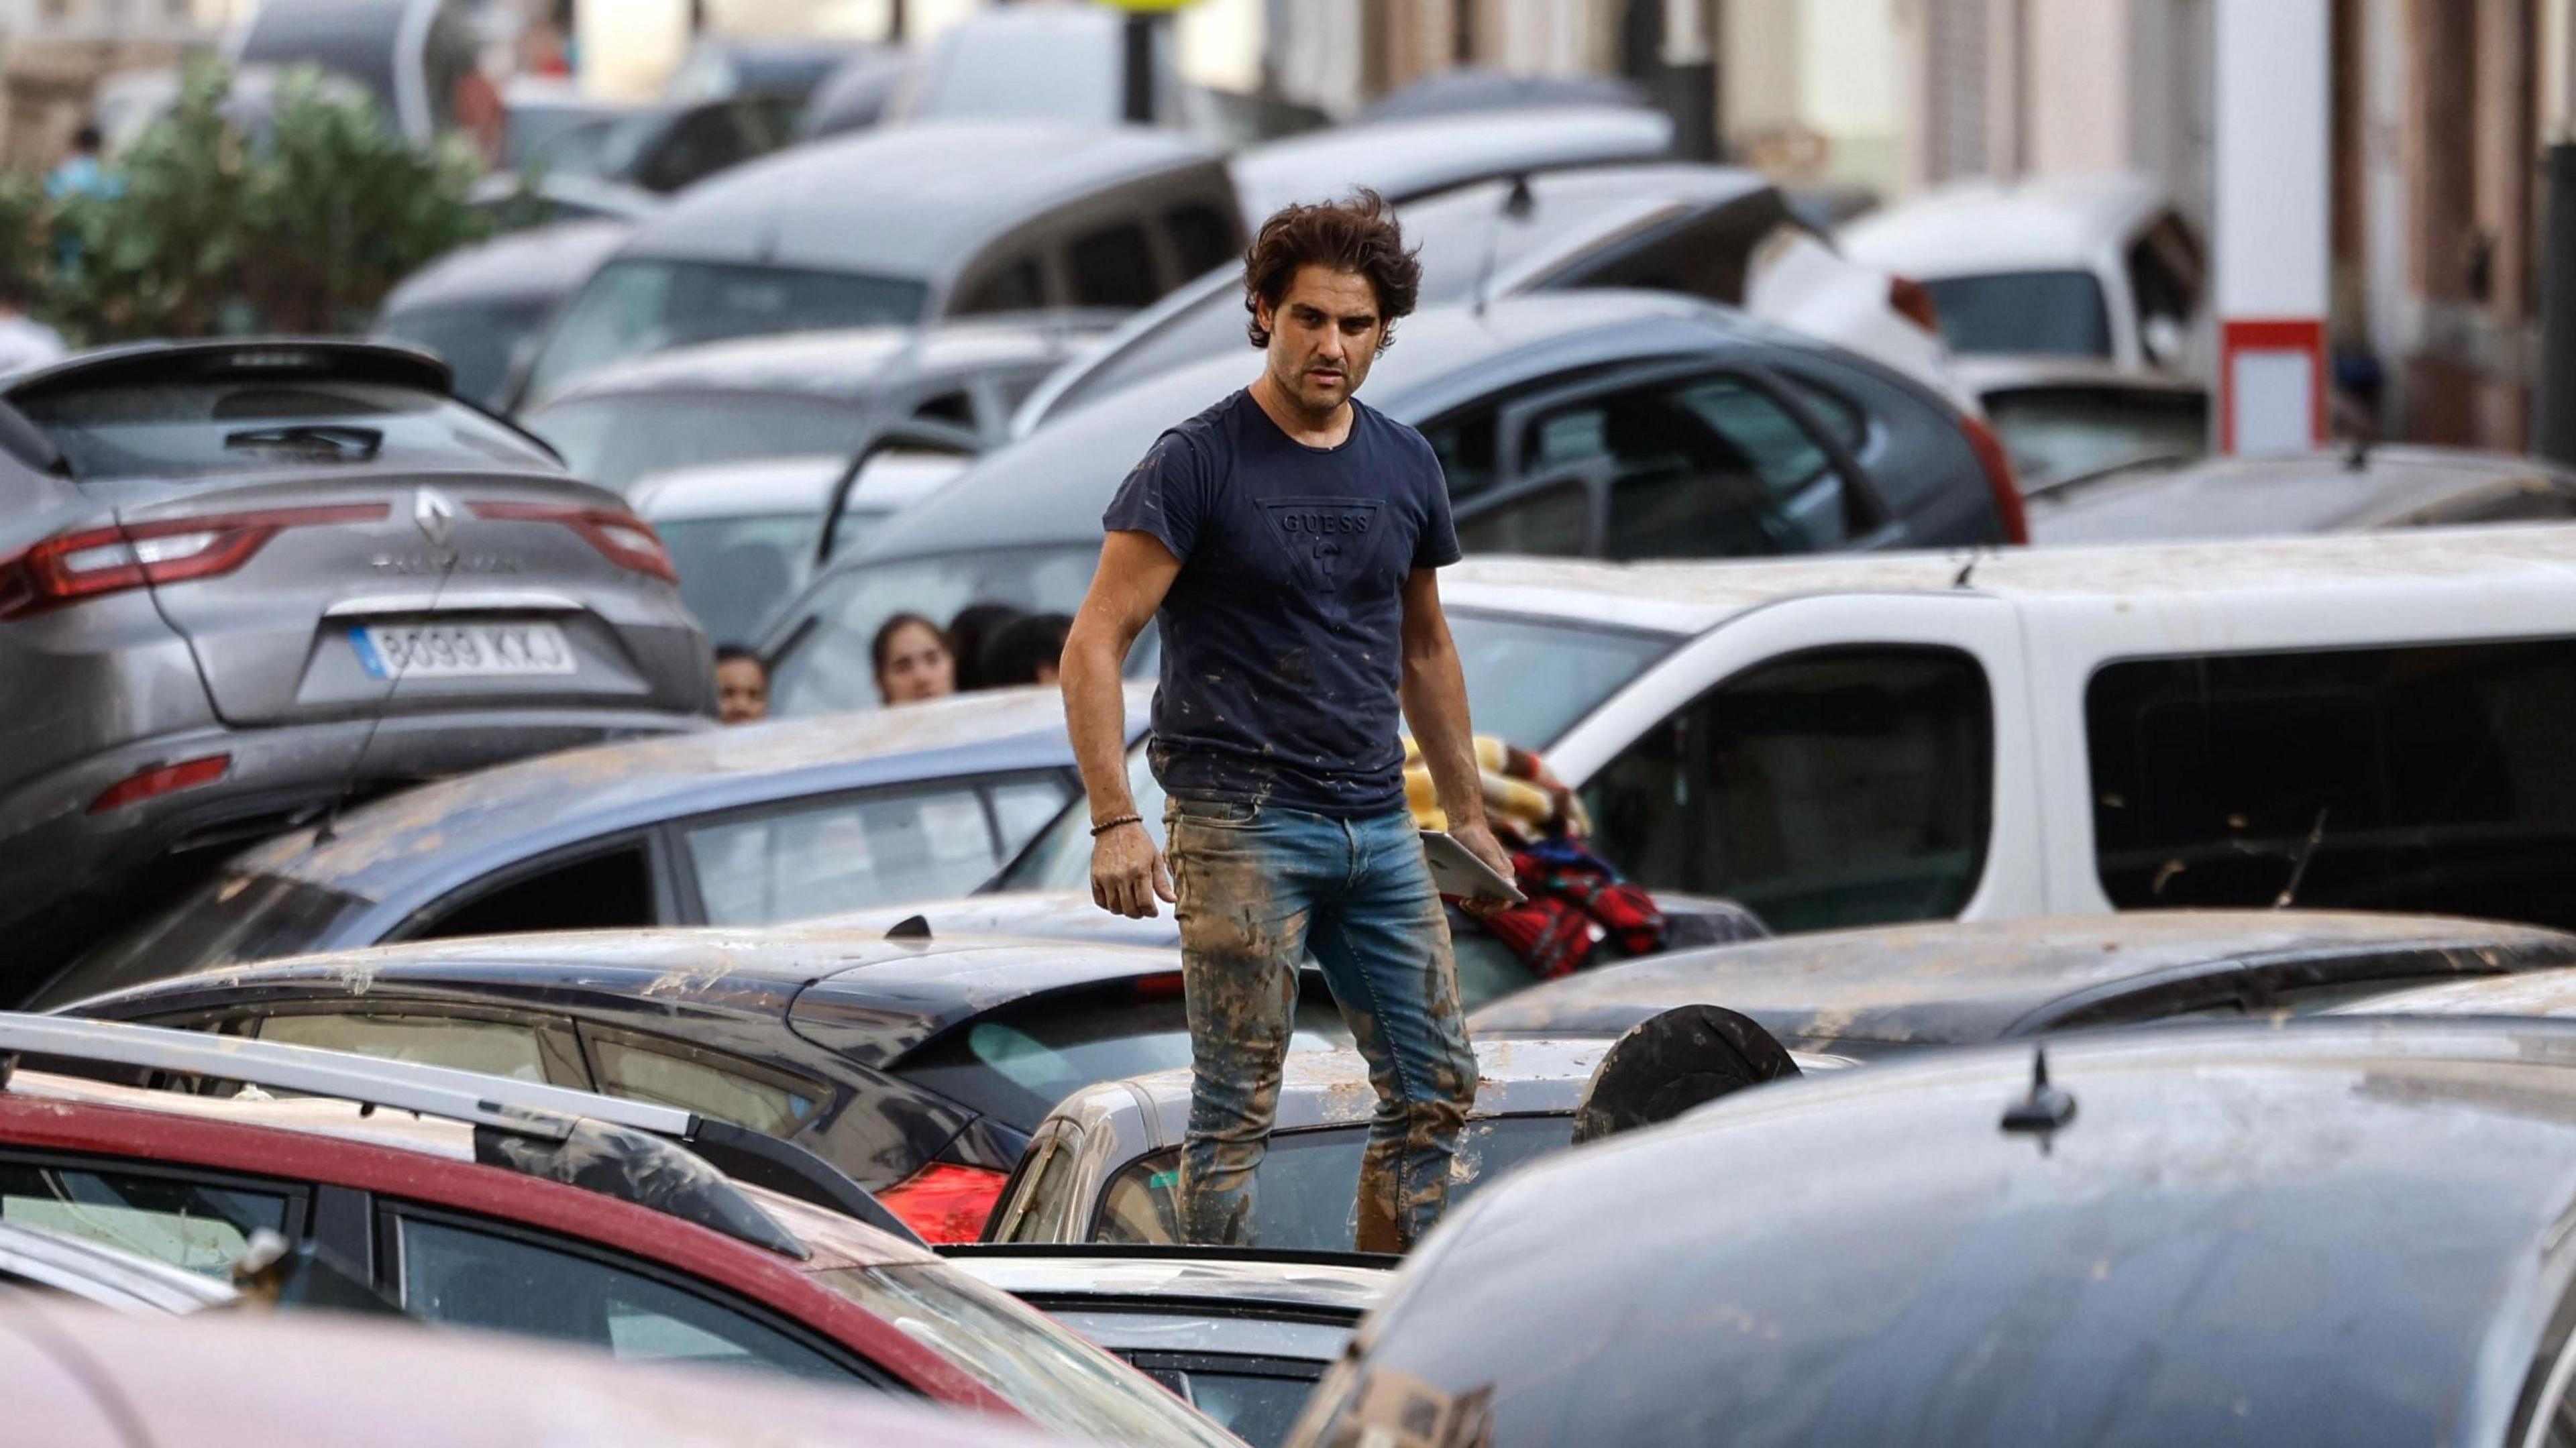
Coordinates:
514	1049
1021	808
2428	779
1016	286
1113	267
1016	1063
478	340
462	1278
702	1081
1550	521
1833	412
1050	1201
1466	447
618	439
2166	271
174	428
2052	313
1841	787
831	667
736	572
1305	1193
1037	1366
1696	467
1256	1406
1203	237
639	305
193	1225
846	854
595	892
231	917
2056	434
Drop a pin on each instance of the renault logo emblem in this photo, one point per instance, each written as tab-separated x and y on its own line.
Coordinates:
434	515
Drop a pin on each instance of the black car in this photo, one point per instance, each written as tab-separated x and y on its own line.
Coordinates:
1603	423
917	1066
2330	1231
1881	991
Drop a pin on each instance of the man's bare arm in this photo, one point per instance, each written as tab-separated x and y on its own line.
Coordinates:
1434	693
1136	570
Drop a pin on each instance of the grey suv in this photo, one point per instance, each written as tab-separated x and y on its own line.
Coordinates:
240	579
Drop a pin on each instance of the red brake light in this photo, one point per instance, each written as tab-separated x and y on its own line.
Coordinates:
620	536
1161	983
1912	300
1999	476
161	779
69	567
945	1202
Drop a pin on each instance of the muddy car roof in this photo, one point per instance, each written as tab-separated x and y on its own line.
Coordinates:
2330	1230
839	364
1954	983
917	201
855	992
2315	492
1692	597
1085	1274
462	827
2533	993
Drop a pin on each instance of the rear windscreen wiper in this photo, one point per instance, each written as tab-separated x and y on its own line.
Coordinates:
348	442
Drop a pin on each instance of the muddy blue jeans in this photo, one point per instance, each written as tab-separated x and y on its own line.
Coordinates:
1259	887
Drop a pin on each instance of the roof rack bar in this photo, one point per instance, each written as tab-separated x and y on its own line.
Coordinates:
527	1107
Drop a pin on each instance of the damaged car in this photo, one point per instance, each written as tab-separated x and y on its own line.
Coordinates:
243	581
917	1065
2329	1230
751	825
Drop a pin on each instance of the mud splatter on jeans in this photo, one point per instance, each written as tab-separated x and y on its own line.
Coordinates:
1259	887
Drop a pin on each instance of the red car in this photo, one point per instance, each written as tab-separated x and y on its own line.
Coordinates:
506	1205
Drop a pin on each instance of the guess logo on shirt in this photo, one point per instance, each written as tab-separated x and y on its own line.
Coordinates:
1322	533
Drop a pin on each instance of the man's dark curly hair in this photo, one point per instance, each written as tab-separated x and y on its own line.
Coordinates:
1356	235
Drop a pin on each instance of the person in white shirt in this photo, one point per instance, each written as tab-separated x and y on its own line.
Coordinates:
24	341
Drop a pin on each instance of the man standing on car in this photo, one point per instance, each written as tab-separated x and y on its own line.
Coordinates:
1286	540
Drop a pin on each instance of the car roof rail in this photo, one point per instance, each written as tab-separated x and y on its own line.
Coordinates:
618	1147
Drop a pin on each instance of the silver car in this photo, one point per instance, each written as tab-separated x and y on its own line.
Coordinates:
241	580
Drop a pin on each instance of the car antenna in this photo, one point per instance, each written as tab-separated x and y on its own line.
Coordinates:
436	519
2045	1111
1517	205
2299	867
1969	568
910	927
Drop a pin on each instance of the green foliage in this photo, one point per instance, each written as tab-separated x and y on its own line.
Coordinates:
206	229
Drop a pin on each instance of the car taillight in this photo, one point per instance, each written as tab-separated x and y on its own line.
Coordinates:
1912	300
69	567
1999	476
945	1202
161	779
621	537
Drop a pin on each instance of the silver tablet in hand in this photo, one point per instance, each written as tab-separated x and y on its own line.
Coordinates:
1455	870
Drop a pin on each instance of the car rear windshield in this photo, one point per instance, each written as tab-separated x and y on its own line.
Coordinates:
2052	313
641	305
1015	1064
615	441
828	666
2056	434
1061	1382
479	340
230	918
192	427
1305	1193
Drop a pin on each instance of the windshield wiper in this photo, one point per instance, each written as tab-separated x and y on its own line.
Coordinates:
357	443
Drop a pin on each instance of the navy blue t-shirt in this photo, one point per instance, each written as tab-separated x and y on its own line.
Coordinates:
1283	634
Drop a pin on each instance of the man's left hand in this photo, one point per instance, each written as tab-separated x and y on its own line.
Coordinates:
1479	840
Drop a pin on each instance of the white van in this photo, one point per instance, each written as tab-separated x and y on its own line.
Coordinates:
2377	721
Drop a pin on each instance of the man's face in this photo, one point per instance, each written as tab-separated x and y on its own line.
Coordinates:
1323	336
742	692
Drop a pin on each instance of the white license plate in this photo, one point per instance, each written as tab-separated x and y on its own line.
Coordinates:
461	650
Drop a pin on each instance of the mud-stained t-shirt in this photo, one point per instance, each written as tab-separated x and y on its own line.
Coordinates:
1283	633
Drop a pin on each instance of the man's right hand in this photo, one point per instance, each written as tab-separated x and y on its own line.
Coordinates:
1127	873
